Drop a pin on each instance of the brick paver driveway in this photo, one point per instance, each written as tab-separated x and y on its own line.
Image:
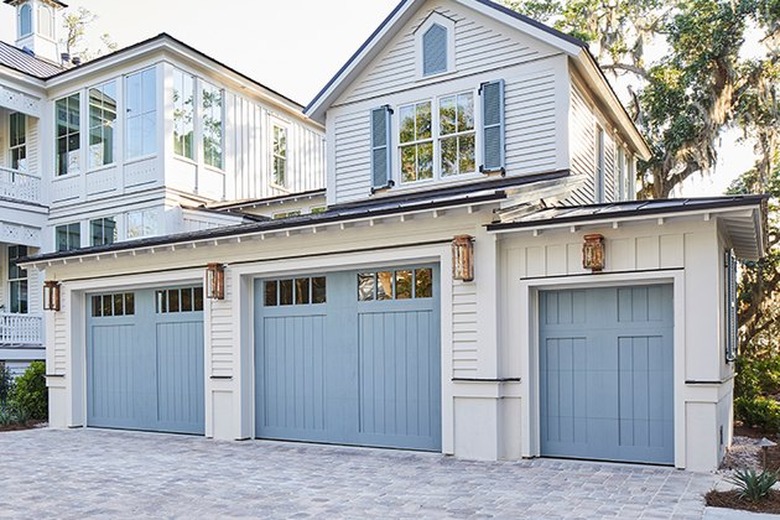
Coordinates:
92	473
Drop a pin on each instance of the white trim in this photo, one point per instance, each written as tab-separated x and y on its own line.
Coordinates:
529	346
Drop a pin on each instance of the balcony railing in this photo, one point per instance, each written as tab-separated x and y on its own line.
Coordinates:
20	186
21	329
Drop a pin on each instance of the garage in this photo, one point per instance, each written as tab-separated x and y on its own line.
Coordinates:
145	360
350	358
606	374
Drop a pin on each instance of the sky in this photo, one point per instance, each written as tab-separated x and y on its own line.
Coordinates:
291	46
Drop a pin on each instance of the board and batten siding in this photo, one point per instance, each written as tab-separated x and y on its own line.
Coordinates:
249	147
480	45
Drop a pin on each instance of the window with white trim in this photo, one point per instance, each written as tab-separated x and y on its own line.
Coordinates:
67	237
143	223
17	280
141	110
102	231
45	21
102	118
68	113
213	124
183	114
17	141
25	20
444	149
279	151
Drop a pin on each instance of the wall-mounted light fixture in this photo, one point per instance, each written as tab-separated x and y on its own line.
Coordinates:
593	253
463	258
51	295
215	281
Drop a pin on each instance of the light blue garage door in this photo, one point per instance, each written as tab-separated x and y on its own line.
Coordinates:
145	360
350	358
606	374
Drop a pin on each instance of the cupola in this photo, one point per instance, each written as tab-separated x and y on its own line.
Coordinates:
36	26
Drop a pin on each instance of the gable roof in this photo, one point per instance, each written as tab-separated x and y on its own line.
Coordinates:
26	62
405	11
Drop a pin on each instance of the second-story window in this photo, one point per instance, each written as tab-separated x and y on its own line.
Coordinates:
68	237
280	156
416	140
68	134
25	20
17	280
142	224
18	141
141	103
102	117
183	114
45	21
212	125
102	231
457	136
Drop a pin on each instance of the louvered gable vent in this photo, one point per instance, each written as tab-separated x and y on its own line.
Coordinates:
435	50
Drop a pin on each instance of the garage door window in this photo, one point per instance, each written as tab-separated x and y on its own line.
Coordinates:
402	284
188	299
118	304
295	291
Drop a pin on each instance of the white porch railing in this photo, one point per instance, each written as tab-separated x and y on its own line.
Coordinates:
20	186
21	329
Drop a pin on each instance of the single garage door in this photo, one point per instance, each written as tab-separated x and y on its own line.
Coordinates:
606	374
350	358
145	360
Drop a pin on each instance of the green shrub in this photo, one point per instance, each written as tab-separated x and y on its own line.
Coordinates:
6	383
757	376
752	485
29	397
758	412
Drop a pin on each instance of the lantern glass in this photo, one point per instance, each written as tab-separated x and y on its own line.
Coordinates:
51	295
463	258
215	282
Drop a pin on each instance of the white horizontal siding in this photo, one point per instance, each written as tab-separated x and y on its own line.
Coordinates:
531	144
353	156
60	342
222	334
465	347
582	124
480	45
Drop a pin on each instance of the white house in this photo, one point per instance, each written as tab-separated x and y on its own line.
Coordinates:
131	145
481	283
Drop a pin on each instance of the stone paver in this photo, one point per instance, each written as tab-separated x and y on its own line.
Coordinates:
49	473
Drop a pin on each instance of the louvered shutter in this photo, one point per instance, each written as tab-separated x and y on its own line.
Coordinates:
380	147
493	128
435	50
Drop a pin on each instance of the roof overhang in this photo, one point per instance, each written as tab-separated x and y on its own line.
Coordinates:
742	218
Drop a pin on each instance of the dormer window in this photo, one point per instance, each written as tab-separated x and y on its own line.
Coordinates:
45	21
435	45
25	20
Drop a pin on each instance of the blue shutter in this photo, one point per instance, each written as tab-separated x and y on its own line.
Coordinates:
493	128
435	50
731	306
380	148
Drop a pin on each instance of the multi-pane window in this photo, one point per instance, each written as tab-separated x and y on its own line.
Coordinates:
142	224
68	237
141	108
280	155
416	140
187	299
102	231
17	280
213	124
296	291
68	134
457	136
102	118
18	141
116	304
183	114
401	284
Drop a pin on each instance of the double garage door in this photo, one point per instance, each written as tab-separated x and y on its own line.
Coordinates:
350	358
145	360
606	374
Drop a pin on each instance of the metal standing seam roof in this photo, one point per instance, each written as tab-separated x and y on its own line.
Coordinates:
26	63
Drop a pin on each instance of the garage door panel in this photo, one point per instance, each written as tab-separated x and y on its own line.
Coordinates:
180	378
111	402
620	408
293	366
